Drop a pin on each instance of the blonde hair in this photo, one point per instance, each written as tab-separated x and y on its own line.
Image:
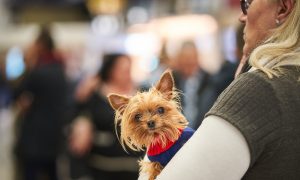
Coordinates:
282	47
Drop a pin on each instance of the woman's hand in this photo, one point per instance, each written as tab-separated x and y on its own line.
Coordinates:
81	136
86	87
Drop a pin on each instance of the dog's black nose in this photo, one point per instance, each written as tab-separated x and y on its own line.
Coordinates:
151	124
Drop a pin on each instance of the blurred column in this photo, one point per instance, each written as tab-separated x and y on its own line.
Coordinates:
6	117
160	8
6	139
4	15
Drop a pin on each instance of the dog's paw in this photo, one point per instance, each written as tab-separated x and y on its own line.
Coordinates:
153	169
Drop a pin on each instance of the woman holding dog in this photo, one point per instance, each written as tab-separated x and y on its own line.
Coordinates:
253	129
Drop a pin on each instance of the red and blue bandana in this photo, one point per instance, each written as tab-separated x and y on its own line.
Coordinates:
158	153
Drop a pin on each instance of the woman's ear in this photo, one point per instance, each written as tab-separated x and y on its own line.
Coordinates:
116	101
285	7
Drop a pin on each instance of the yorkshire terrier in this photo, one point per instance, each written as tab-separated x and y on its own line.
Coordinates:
152	121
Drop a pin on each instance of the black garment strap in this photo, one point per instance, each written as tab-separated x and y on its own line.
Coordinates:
246	67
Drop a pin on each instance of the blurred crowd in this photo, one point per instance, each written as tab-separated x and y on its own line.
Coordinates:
64	129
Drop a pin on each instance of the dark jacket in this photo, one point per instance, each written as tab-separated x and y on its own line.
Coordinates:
40	127
205	95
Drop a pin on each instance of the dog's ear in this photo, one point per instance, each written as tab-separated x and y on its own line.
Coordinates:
116	101
166	84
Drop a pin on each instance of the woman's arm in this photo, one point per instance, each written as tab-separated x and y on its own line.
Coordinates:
217	150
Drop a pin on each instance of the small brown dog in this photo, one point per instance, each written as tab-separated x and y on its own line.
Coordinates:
152	120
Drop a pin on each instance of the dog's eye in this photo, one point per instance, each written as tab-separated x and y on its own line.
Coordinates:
137	117
161	110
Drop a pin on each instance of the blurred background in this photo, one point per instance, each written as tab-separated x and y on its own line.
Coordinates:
153	34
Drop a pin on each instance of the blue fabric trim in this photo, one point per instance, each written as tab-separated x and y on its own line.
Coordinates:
164	157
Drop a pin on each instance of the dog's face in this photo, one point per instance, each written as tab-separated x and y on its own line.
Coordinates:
149	117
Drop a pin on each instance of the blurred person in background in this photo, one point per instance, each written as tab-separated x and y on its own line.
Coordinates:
93	140
228	69
197	92
164	63
41	98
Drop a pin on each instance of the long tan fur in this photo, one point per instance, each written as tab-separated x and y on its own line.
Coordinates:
133	114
